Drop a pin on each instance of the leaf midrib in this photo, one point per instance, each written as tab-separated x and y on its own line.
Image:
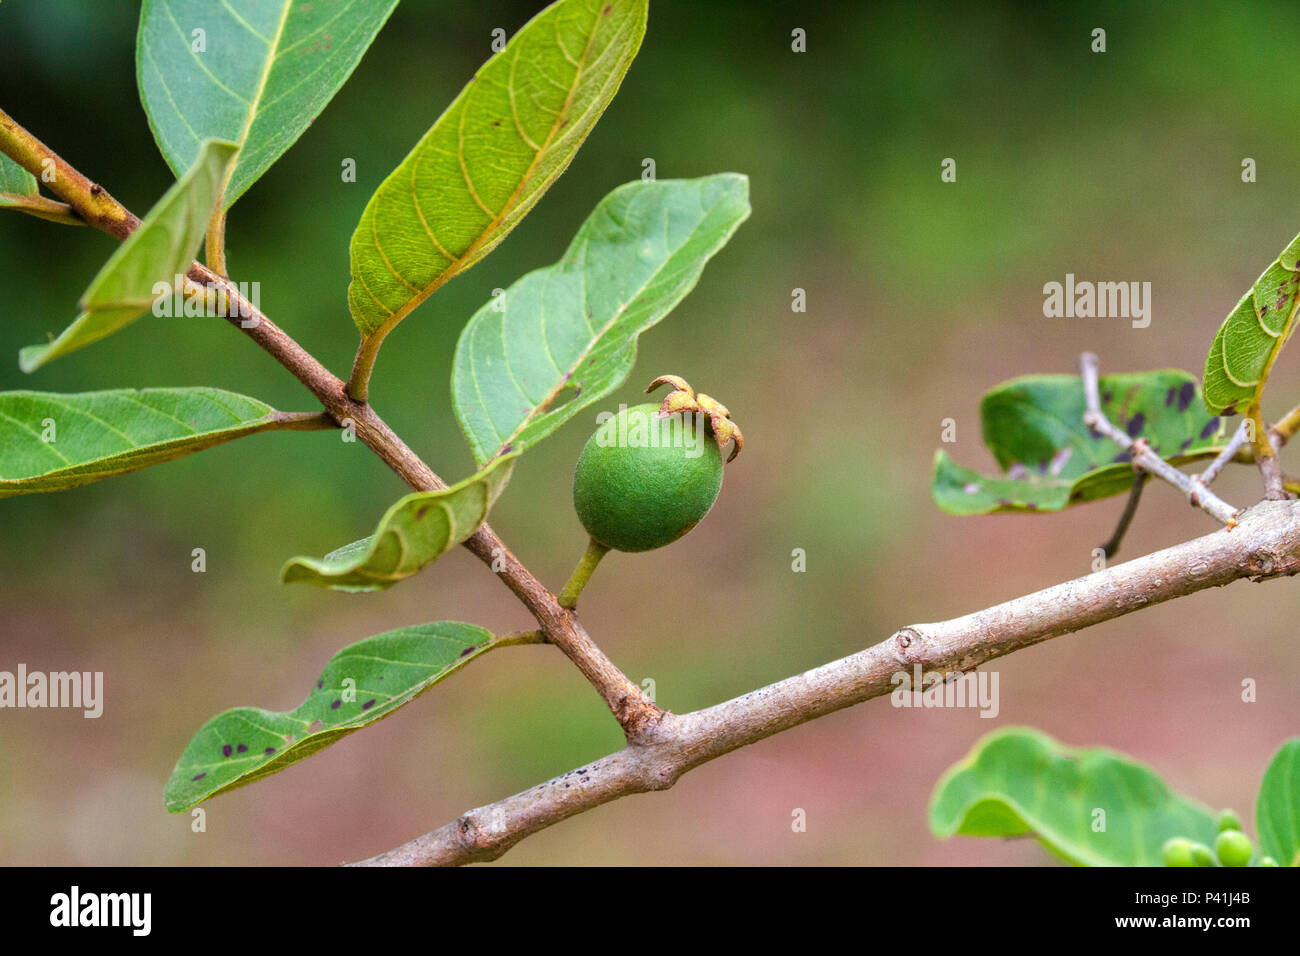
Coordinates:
540	408
490	229
271	55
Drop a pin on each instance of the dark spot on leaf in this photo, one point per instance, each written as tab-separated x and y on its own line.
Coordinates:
496	122
1107	396
1186	443
606	11
227	750
368	704
1004	502
1122	457
199	776
421	512
1210	428
507	449
242	748
1029	505
1185	395
1229	411
316	725
336	705
466	652
268	751
1134	426
320	684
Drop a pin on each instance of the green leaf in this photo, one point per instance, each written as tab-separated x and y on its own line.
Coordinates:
15	182
49	442
1020	781
1277	811
565	336
488	159
266	70
1248	342
412	534
1034	427
361	684
160	249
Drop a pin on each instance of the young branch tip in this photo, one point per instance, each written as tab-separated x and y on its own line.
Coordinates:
1143	457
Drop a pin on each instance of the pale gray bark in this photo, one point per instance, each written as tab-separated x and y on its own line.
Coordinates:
1266	543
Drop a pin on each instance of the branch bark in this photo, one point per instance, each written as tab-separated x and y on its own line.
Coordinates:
1265	544
1194	487
661	745
634	711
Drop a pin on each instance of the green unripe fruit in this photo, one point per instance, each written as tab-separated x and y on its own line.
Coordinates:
1177	851
1202	855
1228	821
643	481
1233	848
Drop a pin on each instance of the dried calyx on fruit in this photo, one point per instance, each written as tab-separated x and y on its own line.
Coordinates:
650	473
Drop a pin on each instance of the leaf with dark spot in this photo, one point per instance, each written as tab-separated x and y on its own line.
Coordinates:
1247	343
410	660
1050	459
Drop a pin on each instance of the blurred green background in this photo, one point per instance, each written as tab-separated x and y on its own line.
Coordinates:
921	295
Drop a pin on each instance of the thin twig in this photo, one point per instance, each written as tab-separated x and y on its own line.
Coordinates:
634	711
1265	545
1111	547
1142	455
1284	429
1270	469
88	199
1229	452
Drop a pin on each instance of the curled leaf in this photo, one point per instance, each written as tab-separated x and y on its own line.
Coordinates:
412	534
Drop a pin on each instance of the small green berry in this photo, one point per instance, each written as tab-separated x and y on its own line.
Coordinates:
634	496
1228	821
1202	855
1233	848
1177	851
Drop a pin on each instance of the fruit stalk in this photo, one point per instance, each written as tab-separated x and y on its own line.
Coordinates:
582	573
